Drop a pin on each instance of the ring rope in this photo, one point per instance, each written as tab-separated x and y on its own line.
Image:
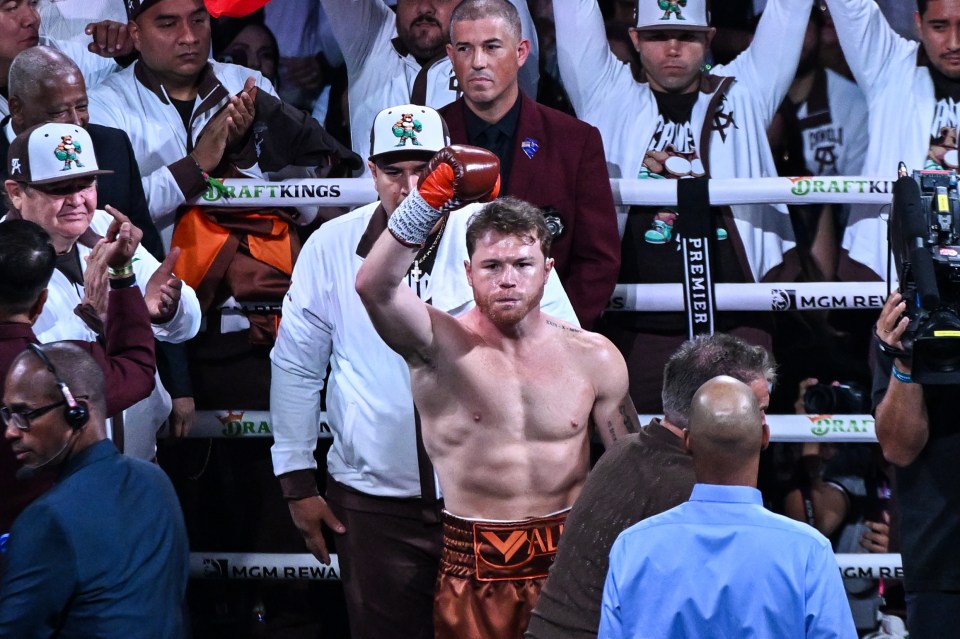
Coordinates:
245	192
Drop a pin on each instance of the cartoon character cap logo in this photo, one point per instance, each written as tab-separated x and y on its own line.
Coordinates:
672	7
685	15
53	152
406	128
68	152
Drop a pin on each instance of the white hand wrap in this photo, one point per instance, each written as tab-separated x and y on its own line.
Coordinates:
413	220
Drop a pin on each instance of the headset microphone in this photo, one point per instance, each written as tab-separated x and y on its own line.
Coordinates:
26	472
76	414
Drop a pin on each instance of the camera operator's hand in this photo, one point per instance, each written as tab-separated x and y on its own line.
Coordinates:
892	322
877	536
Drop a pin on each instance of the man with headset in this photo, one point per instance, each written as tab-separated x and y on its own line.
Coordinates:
104	552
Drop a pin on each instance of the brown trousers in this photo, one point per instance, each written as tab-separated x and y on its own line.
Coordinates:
491	574
389	558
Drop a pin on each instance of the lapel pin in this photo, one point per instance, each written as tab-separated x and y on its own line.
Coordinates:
529	147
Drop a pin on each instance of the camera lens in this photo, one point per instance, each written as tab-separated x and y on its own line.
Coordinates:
844	399
818	399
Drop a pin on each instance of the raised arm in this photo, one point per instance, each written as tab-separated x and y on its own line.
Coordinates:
455	176
95	68
360	27
591	74
613	414
870	45
769	64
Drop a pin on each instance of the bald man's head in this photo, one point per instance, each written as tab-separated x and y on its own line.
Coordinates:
45	85
726	432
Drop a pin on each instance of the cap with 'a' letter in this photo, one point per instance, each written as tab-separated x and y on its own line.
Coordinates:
52	152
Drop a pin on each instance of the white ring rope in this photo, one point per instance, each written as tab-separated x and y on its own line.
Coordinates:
786	190
278	566
778	296
238	424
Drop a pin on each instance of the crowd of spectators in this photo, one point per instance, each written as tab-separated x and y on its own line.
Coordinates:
253	309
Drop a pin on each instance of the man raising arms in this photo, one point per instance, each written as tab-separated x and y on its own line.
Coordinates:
685	119
506	394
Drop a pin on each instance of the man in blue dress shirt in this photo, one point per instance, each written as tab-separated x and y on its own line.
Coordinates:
720	565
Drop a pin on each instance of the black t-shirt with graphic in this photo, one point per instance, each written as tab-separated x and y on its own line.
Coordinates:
651	251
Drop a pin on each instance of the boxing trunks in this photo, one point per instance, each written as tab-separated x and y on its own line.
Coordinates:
491	573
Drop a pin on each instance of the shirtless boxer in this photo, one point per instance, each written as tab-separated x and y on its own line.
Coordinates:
506	394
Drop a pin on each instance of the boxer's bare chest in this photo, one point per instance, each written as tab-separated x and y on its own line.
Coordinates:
539	393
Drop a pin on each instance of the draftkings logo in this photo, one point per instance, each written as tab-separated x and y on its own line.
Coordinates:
280	191
824	425
807	185
235	426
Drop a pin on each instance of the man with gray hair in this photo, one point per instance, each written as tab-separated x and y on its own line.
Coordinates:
46	85
734	569
642	475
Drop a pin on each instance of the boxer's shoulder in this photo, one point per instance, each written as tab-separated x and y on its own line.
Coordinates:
575	337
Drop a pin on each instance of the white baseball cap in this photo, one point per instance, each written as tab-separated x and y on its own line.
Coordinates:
406	128
673	15
52	152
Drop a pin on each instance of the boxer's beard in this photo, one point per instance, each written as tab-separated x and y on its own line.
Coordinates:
506	317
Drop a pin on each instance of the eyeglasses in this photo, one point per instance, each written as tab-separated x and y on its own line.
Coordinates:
64	189
22	418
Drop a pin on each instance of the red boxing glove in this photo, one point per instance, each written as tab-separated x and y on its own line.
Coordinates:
459	174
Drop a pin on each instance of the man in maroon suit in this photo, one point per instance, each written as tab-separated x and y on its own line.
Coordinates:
27	261
547	158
